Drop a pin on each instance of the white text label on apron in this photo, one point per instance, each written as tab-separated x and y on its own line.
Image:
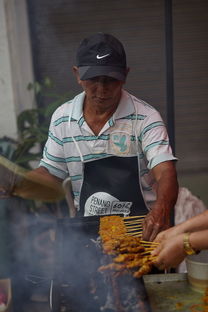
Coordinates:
102	203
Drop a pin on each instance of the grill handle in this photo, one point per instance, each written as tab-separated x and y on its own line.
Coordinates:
67	186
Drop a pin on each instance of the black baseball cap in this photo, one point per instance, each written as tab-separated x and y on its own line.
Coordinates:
101	55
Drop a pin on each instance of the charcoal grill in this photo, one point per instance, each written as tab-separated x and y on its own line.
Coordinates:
78	286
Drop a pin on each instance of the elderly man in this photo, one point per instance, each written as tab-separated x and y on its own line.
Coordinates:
112	145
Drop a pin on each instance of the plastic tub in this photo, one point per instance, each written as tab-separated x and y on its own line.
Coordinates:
197	270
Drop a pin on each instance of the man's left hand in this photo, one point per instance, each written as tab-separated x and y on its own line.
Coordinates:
156	221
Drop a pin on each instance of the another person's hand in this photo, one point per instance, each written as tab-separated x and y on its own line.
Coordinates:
156	221
167	234
169	253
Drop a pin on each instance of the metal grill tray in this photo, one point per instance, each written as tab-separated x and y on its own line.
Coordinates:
76	277
171	292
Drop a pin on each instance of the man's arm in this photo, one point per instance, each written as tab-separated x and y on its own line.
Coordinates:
158	218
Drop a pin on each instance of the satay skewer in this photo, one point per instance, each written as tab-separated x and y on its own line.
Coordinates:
122	240
149	248
133	221
135	233
128	225
132	224
146	253
152	258
133	228
151	243
134	217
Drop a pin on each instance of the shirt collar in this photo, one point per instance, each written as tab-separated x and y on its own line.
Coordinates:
77	109
125	107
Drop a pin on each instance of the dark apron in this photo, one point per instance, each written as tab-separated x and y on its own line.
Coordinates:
111	186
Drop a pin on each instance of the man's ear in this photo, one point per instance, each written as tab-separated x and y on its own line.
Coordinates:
76	73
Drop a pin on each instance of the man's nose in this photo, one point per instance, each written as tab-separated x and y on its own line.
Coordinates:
103	80
102	85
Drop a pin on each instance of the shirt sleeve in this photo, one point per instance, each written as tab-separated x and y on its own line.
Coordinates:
155	141
53	154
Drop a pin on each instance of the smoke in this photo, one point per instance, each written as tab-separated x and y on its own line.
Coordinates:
30	245
66	253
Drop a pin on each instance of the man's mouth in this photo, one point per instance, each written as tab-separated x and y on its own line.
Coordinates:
99	99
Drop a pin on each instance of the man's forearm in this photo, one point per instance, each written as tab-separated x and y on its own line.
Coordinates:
167	189
158	219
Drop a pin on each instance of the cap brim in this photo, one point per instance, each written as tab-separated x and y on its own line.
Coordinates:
88	72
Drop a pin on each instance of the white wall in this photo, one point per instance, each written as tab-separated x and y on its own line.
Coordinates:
15	65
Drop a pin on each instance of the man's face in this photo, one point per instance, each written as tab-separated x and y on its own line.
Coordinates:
102	91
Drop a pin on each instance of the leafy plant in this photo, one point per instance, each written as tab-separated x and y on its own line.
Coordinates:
33	124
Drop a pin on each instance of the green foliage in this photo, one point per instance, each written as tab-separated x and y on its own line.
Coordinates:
33	124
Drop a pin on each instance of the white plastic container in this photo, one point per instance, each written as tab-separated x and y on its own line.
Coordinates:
197	270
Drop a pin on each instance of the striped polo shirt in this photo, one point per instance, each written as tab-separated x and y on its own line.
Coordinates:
135	129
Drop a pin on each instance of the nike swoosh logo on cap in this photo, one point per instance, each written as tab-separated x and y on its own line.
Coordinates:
101	56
